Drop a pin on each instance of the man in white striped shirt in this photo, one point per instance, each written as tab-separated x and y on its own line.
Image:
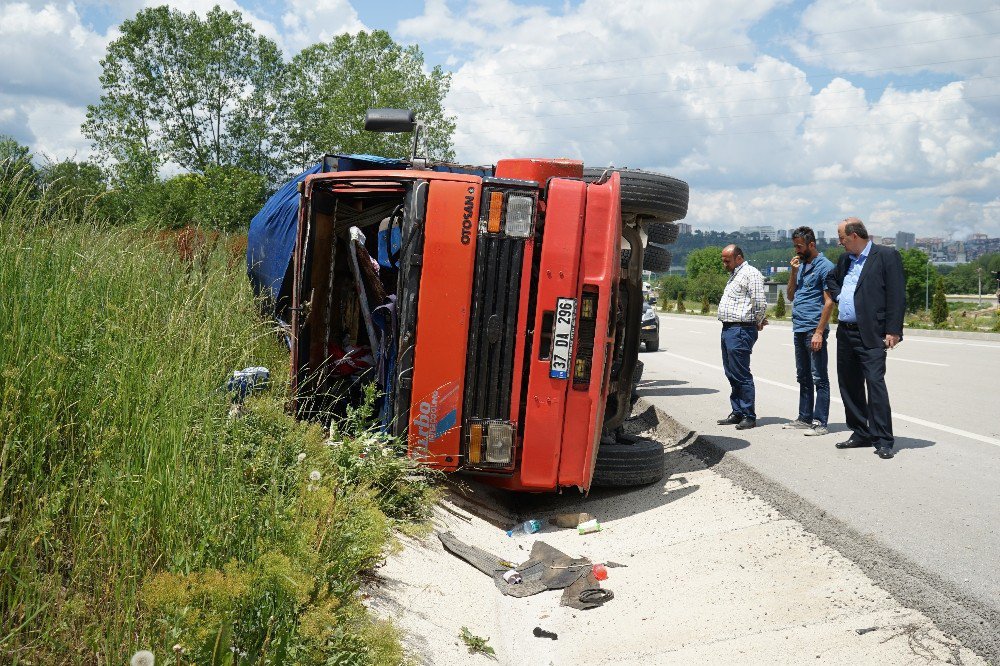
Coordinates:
742	311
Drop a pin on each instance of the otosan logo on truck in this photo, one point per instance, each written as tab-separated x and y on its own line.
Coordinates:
470	203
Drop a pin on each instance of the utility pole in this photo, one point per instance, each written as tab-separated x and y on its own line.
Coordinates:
980	272
927	285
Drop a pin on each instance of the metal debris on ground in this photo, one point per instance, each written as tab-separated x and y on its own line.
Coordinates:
541	633
547	568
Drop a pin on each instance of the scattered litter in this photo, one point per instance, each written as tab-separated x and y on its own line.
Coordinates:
570	519
615	565
512	577
866	630
541	633
546	569
600	572
247	381
590	526
527	527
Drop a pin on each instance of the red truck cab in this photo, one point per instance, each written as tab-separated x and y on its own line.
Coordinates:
486	310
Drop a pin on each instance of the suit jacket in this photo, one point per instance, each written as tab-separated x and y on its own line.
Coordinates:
880	296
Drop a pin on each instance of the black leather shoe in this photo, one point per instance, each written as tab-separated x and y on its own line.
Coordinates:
746	424
732	419
853	443
885	453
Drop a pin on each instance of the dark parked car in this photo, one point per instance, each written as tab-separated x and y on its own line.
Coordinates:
650	332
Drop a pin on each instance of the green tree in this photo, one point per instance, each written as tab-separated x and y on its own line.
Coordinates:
680	302
779	307
18	176
704	305
915	268
706	260
833	253
74	187
669	286
335	83
939	306
195	92
709	286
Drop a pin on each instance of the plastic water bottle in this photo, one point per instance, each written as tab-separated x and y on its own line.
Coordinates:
527	527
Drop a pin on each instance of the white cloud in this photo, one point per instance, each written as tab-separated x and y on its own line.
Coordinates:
902	36
47	53
307	22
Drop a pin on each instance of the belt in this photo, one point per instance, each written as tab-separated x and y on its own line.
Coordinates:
849	325
728	324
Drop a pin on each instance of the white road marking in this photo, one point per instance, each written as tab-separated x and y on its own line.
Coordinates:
893	358
910	360
895	415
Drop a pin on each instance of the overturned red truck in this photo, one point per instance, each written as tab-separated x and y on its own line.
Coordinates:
496	311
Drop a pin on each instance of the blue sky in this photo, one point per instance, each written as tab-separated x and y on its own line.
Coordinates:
776	112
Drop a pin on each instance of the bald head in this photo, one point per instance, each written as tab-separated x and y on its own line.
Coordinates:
732	257
853	235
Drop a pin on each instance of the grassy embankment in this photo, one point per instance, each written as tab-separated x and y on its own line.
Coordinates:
134	514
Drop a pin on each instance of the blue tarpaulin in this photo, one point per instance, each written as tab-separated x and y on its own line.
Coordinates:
271	239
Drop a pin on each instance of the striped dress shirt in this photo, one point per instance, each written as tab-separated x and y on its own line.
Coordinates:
743	300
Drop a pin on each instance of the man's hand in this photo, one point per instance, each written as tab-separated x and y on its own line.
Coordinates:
817	342
762	324
891	340
794	263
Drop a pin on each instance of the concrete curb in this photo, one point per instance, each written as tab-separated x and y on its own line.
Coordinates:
974	623
915	332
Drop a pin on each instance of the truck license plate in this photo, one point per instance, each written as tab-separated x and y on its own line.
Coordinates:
562	338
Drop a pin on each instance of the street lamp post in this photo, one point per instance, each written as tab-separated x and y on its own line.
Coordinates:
927	285
980	272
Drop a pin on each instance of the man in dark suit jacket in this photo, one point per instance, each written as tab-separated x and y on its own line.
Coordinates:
869	285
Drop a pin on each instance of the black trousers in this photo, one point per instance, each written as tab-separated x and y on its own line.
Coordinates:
868	415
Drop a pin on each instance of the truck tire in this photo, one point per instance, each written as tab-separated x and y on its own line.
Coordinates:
662	234
656	259
626	464
647	193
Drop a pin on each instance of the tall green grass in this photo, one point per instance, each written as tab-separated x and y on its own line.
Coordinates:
135	513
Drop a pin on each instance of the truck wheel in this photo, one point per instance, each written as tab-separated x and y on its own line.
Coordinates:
648	193
625	464
662	234
656	259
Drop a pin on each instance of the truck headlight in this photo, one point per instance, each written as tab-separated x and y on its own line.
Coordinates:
519	216
499	443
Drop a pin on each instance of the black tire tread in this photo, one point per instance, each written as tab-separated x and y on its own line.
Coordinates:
656	259
647	193
629	464
662	234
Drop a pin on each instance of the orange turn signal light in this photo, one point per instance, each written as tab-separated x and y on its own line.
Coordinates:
475	443
496	210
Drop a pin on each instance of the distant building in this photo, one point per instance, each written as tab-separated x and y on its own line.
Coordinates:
782	234
683	228
977	247
820	235
974	237
762	232
905	240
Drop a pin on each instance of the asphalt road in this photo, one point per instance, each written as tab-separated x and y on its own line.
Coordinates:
937	503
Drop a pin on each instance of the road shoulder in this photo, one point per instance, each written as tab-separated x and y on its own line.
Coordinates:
717	572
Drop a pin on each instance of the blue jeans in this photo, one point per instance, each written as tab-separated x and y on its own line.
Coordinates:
814	381
737	345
